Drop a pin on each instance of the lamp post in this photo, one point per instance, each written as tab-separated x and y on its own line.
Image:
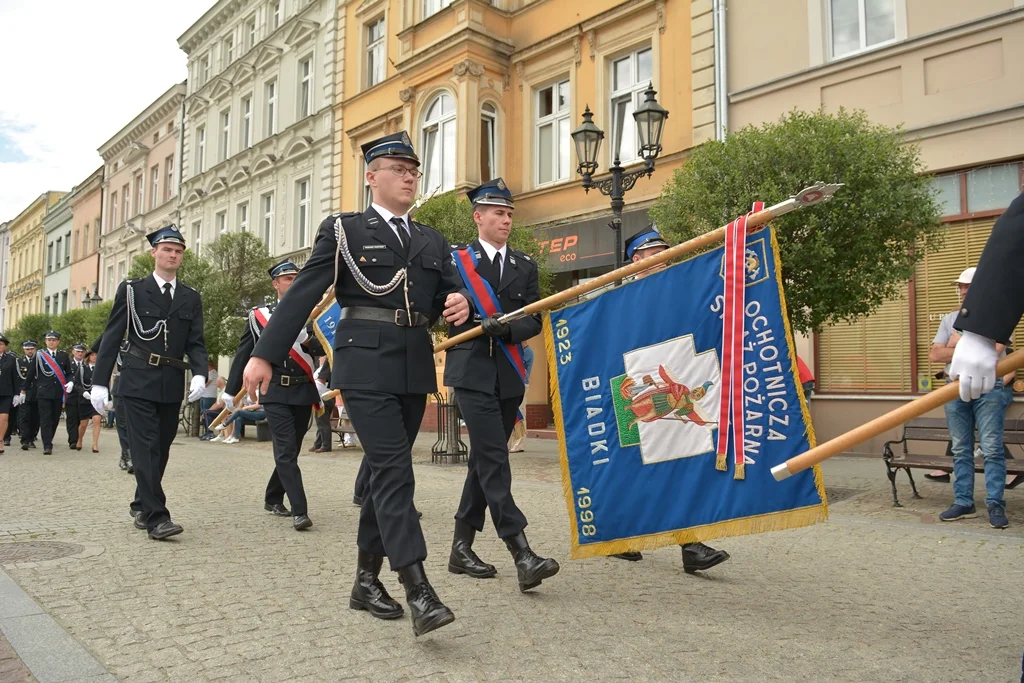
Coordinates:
90	301
650	121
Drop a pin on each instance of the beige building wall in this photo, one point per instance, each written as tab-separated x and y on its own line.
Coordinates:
952	76
86	201
140	188
25	280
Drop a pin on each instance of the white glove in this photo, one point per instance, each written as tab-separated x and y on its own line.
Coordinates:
195	390
86	395
974	363
17	400
69	387
98	398
321	388
229	401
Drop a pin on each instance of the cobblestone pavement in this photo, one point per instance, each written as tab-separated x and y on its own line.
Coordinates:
12	670
875	594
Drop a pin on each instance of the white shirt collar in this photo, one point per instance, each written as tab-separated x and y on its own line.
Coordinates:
160	283
491	250
387	216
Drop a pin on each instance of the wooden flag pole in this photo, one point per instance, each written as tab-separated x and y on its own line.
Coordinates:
883	423
819	192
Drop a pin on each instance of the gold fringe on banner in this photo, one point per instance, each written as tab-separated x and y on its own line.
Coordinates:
741	471
721	463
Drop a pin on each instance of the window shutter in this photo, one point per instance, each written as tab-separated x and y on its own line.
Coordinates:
872	354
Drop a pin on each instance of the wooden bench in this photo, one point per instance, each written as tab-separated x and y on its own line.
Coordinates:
934	429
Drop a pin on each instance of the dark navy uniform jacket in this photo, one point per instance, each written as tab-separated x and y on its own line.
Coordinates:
48	387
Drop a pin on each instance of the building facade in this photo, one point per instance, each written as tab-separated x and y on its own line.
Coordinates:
952	74
27	259
140	185
494	88
259	123
57	255
86	201
5	270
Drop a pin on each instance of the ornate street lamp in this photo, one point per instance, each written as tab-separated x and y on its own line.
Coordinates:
90	301
650	123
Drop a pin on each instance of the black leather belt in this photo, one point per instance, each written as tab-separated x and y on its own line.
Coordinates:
384	315
290	380
156	359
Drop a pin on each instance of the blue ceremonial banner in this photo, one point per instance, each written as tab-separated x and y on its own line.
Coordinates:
636	386
324	327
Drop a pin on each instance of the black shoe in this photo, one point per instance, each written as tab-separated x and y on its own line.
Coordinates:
123	463
302	522
462	559
277	509
629	557
31	444
531	568
698	557
24	446
165	529
937	476
47	451
368	592
131	467
1015	482
357	501
139	524
428	612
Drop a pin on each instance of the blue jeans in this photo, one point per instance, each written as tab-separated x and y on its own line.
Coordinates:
204	405
987	414
239	417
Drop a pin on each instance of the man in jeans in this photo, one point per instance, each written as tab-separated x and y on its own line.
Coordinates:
987	414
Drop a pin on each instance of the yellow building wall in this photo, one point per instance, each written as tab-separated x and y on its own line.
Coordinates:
24	291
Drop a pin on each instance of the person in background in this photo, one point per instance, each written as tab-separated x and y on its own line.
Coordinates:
211	413
86	412
208	397
9	385
28	411
324	435
249	412
518	438
74	397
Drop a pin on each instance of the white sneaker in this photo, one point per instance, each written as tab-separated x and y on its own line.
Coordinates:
231	439
218	438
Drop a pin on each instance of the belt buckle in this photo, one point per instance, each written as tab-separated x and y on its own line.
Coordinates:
154	359
285	380
398	318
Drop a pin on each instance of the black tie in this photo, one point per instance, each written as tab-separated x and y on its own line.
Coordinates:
403	234
167	295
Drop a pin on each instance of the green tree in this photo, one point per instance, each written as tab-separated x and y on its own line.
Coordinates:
451	214
96	321
33	326
841	259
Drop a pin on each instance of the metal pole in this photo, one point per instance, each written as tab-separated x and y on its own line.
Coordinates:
618	202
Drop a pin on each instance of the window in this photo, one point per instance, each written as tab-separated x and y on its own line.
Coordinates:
154	186
86	247
64	301
630	77
228	51
375	45
859	24
267	204
121	271
270	91
302	194
197	235
49	257
242	213
200	149
221	222
168	176
980	190
488	141
434	6
138	193
250	32
113	210
552	146
56	253
439	144
225	134
156	137
125	191
74	299
46	305
367	190
246	121
306	87
110	281
67	248
275	15
204	69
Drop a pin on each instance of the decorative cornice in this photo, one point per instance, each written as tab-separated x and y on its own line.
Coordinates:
160	109
592	40
576	50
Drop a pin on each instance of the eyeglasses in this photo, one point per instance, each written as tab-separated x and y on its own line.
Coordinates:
400	171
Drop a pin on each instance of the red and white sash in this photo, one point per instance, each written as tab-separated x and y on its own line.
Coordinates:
261	316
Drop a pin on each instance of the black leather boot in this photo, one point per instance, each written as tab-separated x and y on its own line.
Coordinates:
428	612
531	568
462	559
698	557
369	593
630	556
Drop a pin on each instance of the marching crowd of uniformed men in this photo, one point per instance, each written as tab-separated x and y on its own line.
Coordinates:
394	277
